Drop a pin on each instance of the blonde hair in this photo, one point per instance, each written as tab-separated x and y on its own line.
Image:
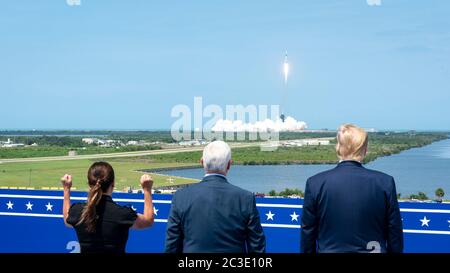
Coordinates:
352	142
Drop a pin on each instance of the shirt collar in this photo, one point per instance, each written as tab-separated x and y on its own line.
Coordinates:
349	162
344	160
215	174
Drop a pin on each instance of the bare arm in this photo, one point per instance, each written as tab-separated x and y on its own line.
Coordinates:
147	218
66	181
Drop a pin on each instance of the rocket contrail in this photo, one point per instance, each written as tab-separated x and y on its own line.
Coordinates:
286	68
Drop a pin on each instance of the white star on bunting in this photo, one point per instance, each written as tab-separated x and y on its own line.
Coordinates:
49	207
9	205
29	206
155	210
270	215
425	221
294	217
448	223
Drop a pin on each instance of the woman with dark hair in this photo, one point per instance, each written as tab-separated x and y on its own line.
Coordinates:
100	223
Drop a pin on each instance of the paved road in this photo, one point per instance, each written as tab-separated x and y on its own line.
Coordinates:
115	155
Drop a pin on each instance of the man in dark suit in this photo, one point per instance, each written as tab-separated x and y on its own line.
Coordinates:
213	215
351	208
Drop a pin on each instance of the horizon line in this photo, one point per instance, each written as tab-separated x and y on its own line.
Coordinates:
168	130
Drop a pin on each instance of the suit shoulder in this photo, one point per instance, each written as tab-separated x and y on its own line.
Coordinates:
241	191
320	176
186	190
380	175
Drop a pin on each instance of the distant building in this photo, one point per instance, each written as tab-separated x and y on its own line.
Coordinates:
101	142
10	144
72	153
371	130
132	142
195	142
89	140
306	142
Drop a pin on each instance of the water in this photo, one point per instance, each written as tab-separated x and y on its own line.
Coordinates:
420	169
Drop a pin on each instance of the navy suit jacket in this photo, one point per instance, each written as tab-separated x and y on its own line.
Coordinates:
351	209
214	216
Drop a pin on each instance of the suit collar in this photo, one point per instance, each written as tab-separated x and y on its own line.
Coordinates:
350	163
214	177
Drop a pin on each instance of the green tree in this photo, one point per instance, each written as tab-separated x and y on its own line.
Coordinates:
272	193
439	194
420	196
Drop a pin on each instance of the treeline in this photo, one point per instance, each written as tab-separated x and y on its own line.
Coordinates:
67	138
73	137
287	192
439	194
61	141
379	145
43	151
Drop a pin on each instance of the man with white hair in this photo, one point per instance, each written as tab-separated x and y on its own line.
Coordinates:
351	208
213	216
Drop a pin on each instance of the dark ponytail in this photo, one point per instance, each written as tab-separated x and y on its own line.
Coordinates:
100	177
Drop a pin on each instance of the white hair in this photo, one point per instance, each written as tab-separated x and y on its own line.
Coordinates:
216	156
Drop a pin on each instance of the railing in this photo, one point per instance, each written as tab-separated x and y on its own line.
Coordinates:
31	221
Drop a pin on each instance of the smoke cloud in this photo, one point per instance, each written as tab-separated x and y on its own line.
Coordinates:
374	2
289	125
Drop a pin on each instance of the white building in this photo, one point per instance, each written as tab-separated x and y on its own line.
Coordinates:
306	142
195	142
89	140
132	142
10	144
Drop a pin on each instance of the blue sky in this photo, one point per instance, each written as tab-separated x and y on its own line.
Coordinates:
125	64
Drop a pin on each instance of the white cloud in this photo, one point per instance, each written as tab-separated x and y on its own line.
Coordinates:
374	2
267	125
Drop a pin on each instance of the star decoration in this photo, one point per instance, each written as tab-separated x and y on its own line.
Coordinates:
29	206
270	215
294	217
10	205
49	207
448	223
425	221
155	210
133	208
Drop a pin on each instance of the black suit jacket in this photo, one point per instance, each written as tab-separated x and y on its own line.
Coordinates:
214	216
351	209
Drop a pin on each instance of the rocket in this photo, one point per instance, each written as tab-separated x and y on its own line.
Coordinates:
285	68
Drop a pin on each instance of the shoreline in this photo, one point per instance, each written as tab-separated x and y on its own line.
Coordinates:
296	162
163	171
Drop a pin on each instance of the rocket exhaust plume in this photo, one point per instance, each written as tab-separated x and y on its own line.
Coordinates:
267	125
286	68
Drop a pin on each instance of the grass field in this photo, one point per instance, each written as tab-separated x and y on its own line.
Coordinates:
48	174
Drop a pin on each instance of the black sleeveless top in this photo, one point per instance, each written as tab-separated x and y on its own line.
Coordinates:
113	224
